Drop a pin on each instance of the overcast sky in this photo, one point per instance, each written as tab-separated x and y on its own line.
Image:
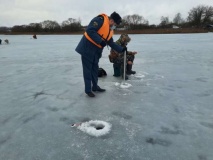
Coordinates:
18	12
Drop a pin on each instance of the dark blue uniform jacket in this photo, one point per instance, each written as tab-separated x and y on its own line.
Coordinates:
90	51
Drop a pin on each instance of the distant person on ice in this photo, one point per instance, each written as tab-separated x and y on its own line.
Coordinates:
34	36
0	41
97	35
118	58
6	41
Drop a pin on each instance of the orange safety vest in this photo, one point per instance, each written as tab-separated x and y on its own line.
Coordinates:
105	32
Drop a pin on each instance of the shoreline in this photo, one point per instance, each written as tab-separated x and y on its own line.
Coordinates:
144	31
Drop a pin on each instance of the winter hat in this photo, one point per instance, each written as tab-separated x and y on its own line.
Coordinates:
116	17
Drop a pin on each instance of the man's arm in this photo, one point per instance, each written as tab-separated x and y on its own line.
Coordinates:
115	46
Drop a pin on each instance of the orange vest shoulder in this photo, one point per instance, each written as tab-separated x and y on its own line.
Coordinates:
104	32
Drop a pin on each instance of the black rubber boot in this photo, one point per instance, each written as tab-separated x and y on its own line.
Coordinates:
99	89
129	69
117	68
90	94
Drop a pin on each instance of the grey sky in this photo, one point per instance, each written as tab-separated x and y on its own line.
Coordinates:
18	12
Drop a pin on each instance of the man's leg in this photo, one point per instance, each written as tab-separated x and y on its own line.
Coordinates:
129	64
87	69
95	75
95	86
117	68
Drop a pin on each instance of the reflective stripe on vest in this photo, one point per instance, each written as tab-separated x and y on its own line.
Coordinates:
105	32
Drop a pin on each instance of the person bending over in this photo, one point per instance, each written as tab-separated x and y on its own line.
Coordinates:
98	34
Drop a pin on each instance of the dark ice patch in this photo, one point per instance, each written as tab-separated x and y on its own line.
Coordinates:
107	136
26	120
206	124
38	94
145	92
174	131
137	92
63	119
5	120
122	115
175	86
205	94
41	99
176	109
157	141
4	140
202	157
201	79
86	119
66	120
53	109
169	89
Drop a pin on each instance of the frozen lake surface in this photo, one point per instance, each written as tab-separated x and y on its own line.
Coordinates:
167	113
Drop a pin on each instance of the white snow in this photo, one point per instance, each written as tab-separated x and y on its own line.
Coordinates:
139	76
123	85
90	127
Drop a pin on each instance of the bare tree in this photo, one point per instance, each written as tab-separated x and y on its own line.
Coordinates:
68	22
178	19
134	21
164	21
71	25
208	18
4	29
17	28
50	25
34	27
200	15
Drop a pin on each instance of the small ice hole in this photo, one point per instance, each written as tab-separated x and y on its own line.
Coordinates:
97	126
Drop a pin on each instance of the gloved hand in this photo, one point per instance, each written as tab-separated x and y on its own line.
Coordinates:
103	44
124	49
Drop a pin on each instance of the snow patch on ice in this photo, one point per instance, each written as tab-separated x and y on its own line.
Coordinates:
95	128
139	76
117	84
123	85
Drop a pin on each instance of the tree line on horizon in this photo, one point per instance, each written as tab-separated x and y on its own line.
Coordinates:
199	16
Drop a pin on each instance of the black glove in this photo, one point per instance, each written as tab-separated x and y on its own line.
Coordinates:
103	44
124	49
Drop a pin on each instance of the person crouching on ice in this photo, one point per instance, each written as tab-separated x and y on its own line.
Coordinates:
6	41
34	36
117	58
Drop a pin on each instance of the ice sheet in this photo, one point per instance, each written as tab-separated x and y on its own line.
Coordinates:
165	115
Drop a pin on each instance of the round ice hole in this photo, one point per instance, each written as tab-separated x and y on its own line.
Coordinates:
97	126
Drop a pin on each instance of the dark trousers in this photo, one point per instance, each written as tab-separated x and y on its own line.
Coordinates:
90	73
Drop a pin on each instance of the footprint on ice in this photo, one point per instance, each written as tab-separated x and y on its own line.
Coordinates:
123	85
94	127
